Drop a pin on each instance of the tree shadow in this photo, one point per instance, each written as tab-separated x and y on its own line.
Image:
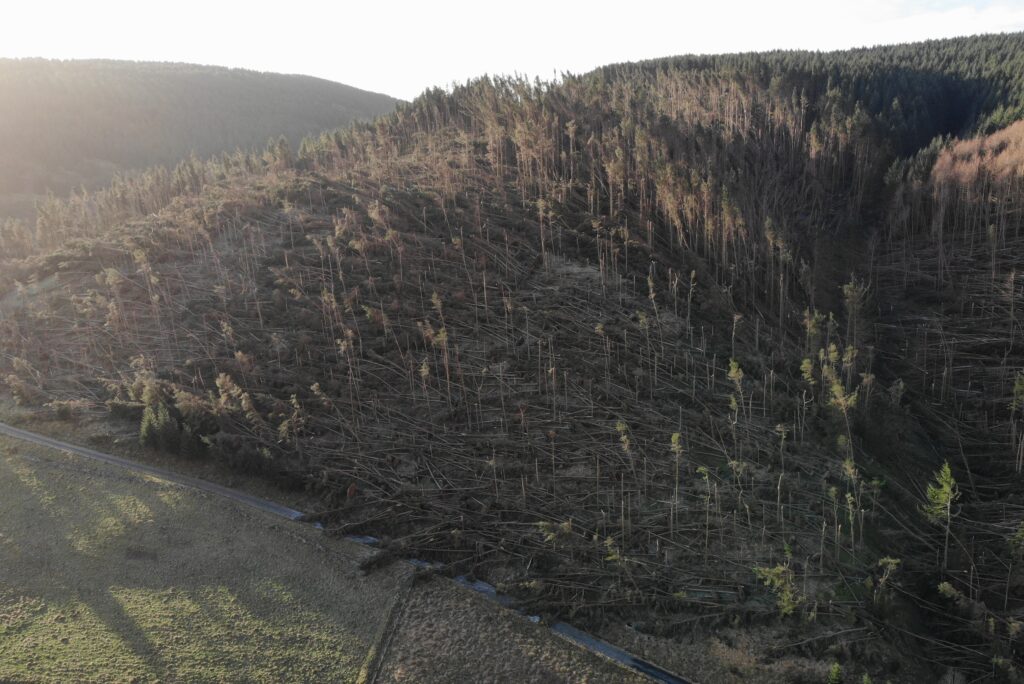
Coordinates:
65	574
105	547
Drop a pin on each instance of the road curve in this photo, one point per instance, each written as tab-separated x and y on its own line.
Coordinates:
586	641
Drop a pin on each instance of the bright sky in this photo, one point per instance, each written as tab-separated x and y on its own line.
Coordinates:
402	47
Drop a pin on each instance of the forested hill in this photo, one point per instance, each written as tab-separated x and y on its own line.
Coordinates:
68	123
920	89
722	357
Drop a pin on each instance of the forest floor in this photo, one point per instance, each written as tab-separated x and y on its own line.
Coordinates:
106	575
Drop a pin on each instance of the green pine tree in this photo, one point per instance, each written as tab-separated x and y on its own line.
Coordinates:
939	507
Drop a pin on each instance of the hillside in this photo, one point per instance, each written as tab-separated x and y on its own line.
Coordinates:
708	350
68	124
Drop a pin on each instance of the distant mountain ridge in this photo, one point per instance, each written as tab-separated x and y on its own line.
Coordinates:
64	124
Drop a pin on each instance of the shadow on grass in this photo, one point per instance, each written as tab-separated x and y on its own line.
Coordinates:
172	585
63	573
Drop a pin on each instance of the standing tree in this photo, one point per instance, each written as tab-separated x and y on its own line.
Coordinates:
939	507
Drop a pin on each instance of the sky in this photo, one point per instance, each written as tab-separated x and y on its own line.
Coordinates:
401	48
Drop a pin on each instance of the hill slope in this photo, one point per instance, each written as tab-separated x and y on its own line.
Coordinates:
677	348
64	124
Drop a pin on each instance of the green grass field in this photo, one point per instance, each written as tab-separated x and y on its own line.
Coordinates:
107	576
